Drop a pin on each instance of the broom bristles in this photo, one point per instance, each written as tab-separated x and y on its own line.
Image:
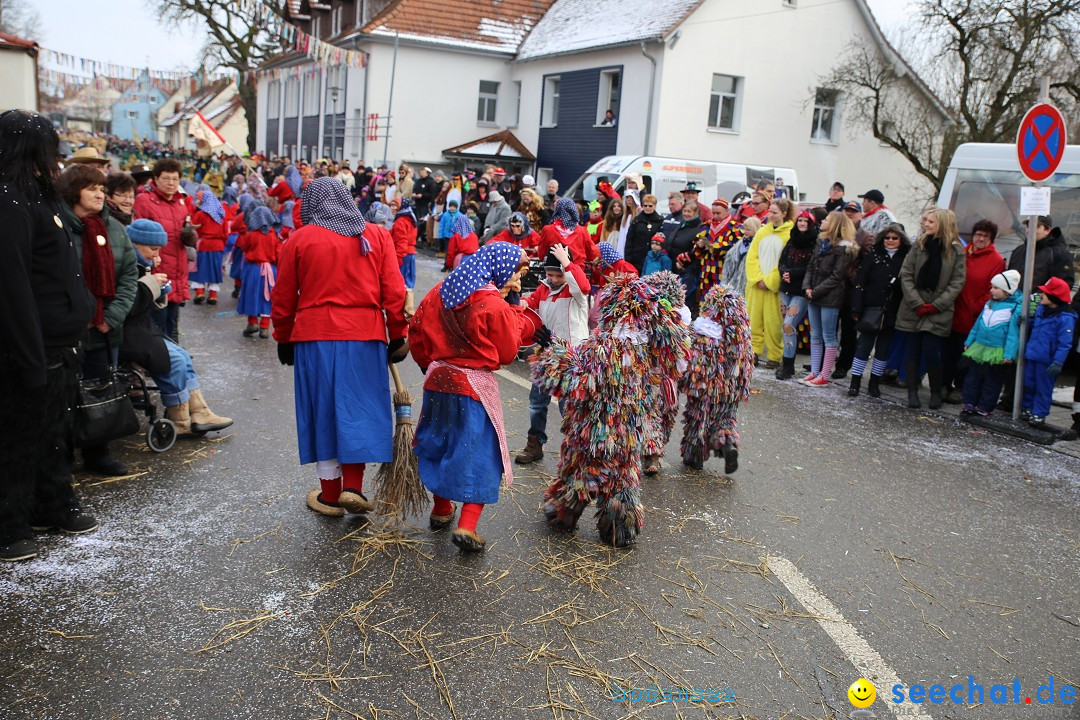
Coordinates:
399	492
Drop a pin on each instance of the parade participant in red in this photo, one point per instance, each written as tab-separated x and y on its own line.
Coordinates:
611	264
404	233
262	248
339	298
164	204
463	242
209	220
564	229
462	331
520	233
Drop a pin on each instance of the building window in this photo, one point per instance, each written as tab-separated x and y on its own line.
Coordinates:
292	97
337	20
824	115
132	115
335	90
316	26
608	96
517	103
550	112
312	87
724	102
154	99
486	105
273	99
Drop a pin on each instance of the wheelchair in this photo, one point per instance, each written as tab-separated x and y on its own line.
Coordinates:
160	431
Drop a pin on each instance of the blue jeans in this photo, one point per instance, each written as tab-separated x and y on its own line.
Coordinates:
823	324
538	412
176	387
793	309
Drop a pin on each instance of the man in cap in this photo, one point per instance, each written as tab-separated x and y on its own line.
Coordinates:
875	215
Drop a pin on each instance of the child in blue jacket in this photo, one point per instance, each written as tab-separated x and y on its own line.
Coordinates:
1052	336
992	344
656	259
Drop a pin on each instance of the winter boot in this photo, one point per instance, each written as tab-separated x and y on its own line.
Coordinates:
100	461
934	376
251	329
786	371
872	388
731	457
533	452
200	296
212	300
914	380
856	383
202	418
181	418
650	465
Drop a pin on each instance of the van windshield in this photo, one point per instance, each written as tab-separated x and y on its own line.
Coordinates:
586	185
995	195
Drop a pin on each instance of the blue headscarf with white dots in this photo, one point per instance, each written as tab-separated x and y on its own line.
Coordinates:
494	263
608	253
210	203
259	218
463	226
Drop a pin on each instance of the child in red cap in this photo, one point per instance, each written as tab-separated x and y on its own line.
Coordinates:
1052	336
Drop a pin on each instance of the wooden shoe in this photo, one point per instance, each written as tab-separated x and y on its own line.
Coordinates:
652	465
355	502
316	503
468	541
441	522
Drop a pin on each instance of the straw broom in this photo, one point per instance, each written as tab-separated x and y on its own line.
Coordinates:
399	491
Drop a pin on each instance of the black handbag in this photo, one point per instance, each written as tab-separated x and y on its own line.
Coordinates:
104	411
870	321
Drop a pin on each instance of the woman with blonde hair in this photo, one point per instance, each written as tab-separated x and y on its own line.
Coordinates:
824	287
763	280
931	279
532	207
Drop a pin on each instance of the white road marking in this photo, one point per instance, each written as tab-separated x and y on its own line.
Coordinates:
520	382
846	637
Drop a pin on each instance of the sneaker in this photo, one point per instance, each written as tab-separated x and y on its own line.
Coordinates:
1038	423
18	550
772	364
968	410
985	413
808	379
819	381
72	522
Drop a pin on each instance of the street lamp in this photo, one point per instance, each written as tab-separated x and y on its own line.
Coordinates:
334	94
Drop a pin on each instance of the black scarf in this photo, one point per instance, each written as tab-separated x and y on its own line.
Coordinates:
930	272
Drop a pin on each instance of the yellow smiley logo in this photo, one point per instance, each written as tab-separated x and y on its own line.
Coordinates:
862	693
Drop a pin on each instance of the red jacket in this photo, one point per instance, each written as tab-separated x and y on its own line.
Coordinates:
582	248
404	234
212	234
173	215
296	221
281	192
601	275
527	243
982	266
465	245
260	247
327	289
493	330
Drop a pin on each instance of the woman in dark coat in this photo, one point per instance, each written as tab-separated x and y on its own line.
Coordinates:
44	311
794	259
683	241
824	285
876	294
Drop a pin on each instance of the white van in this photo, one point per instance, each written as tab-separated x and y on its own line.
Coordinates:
984	180
665	175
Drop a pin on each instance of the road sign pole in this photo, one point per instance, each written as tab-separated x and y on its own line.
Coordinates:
1029	271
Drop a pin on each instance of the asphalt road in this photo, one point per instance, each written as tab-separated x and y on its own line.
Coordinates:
858	538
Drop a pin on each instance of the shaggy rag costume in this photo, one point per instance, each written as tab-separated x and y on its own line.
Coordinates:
338	298
662	403
464	330
718	379
604	384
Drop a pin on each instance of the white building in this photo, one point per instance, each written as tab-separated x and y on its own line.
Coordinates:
719	80
18	73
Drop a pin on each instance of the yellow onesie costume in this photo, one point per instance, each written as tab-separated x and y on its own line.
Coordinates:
763	306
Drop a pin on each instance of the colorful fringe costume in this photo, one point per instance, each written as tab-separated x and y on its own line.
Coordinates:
718	379
662	392
604	383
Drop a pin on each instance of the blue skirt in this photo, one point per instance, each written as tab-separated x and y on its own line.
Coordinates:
457	449
343	402
208	269
252	299
236	263
408	271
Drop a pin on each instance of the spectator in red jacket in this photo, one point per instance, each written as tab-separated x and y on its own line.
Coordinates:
165	205
566	230
983	262
339	299
210	221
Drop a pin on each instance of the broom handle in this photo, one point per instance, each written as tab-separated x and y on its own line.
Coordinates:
397	379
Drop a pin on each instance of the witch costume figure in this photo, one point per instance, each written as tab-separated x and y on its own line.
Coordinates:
603	382
718	379
339	316
464	330
662	404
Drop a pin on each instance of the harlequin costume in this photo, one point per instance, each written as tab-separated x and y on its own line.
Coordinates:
464	330
719	237
662	401
262	248
717	380
603	382
339	299
210	219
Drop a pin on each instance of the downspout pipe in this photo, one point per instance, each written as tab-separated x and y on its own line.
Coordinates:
652	90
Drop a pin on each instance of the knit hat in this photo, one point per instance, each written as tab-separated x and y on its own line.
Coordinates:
528	181
1058	290
1009	281
722	202
494	197
552	263
659	239
147	232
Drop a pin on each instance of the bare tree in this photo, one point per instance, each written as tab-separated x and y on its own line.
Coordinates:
233	41
980	59
17	17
